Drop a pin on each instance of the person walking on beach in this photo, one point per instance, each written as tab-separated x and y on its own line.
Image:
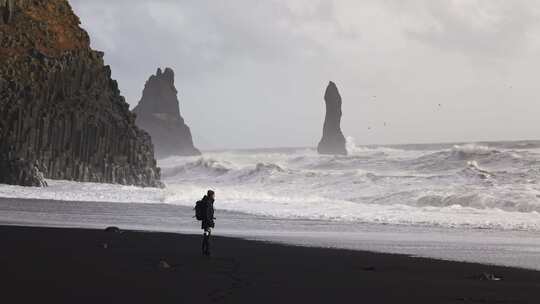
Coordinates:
204	212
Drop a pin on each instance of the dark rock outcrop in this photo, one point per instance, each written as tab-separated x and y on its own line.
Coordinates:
333	141
158	113
6	11
113	229
61	114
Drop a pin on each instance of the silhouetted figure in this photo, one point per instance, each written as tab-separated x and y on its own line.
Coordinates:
205	213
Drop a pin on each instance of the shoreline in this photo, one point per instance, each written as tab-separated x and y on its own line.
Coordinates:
73	264
260	238
504	248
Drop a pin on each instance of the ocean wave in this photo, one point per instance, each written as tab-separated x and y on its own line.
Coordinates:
328	200
200	166
466	211
457	156
394	151
260	172
473	170
473	185
481	201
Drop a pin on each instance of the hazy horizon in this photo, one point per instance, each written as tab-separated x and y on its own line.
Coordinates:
421	72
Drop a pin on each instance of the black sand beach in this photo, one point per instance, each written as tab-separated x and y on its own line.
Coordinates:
49	265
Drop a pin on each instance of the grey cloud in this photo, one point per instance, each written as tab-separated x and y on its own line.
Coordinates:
476	28
252	73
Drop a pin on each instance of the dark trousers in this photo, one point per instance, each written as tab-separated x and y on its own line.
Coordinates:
206	241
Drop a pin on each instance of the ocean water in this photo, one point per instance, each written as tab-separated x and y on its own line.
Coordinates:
481	197
469	185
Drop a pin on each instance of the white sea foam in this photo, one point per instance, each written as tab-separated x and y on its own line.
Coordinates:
471	185
85	192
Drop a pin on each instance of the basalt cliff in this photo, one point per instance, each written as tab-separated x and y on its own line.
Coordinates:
158	113
61	114
333	141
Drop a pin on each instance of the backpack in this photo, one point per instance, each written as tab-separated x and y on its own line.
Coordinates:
200	208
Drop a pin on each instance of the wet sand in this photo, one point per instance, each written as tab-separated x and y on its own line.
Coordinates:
42	265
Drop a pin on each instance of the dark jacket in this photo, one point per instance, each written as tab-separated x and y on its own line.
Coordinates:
208	221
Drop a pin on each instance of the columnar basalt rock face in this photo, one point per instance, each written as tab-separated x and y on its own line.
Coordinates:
158	113
61	114
6	11
333	141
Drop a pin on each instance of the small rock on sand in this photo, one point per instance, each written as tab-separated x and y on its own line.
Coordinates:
164	265
486	277
113	229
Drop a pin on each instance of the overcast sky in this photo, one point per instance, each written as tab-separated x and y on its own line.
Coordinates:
253	73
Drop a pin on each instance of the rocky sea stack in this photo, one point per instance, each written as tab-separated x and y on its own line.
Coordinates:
333	141
158	113
61	114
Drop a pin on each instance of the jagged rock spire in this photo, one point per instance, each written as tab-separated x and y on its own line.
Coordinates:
333	141
158	112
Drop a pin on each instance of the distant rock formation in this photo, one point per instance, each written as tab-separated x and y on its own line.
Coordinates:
61	114
333	141
158	113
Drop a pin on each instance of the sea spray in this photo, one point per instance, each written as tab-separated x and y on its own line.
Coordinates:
490	186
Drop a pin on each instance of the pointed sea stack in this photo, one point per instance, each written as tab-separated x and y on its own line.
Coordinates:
61	114
333	141
158	113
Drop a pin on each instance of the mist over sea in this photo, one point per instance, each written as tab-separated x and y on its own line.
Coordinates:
482	197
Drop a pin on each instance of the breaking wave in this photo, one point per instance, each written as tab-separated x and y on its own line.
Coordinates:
260	172
467	185
201	166
473	185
